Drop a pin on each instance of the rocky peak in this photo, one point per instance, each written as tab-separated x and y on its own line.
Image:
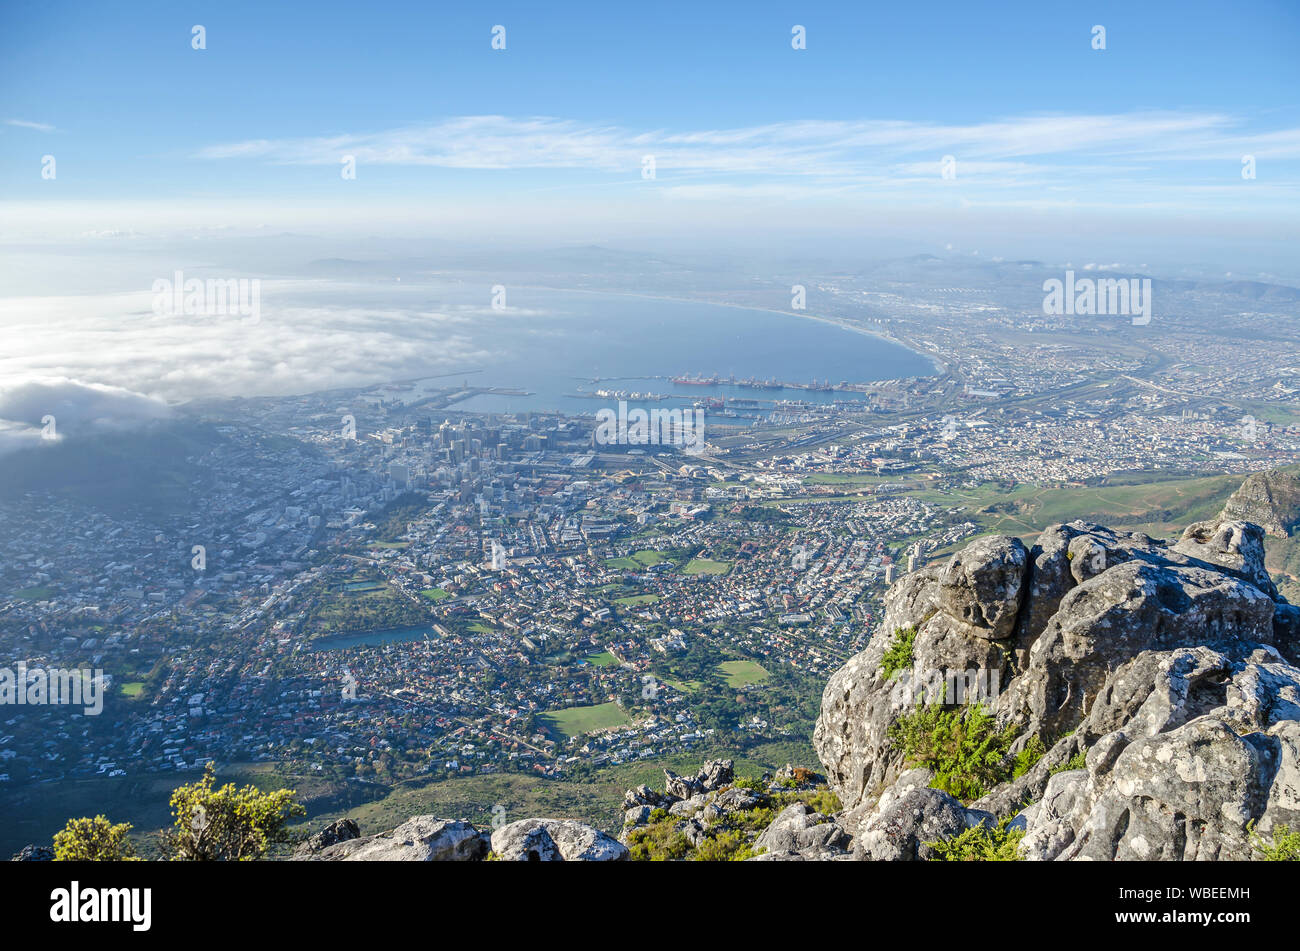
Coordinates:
1270	500
1169	670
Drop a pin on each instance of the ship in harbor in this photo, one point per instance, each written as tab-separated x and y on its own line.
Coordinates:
696	380
756	384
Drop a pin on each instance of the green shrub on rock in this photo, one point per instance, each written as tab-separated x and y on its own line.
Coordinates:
981	843
898	656
960	745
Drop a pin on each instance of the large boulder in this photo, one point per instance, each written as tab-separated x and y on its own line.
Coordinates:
1107	620
906	826
555	840
981	586
340	830
1233	546
715	774
421	839
957	639
1186	795
800	829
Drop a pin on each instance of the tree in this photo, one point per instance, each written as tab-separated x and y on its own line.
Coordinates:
94	840
228	824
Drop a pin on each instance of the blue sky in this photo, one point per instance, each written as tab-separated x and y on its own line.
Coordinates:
254	127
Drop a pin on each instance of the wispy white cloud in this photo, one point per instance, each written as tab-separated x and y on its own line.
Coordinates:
24	124
804	149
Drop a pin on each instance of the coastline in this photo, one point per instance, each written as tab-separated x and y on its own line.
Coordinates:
839	322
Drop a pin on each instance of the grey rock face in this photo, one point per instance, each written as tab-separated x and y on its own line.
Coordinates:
637	815
1269	499
689	807
1109	619
1185	795
715	774
34	853
421	839
1236	547
981	586
1047	827
1171	667
341	830
800	829
900	830
645	796
859	702
555	840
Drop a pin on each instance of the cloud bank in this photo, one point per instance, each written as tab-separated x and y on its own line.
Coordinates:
129	361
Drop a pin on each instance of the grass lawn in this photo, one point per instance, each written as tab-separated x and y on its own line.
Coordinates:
359	610
133	689
684	686
638	560
480	628
435	594
1157	504
845	478
35	594
603	659
634	600
573	721
703	566
741	673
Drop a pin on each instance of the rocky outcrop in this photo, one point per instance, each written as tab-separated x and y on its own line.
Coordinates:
1169	670
718	819
904	826
421	839
800	833
429	839
715	774
34	853
555	840
1269	499
341	830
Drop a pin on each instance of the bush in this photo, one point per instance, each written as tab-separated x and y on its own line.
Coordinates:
1026	759
1282	846
658	842
227	824
1078	761
898	656
981	843
961	746
94	840
823	800
729	846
